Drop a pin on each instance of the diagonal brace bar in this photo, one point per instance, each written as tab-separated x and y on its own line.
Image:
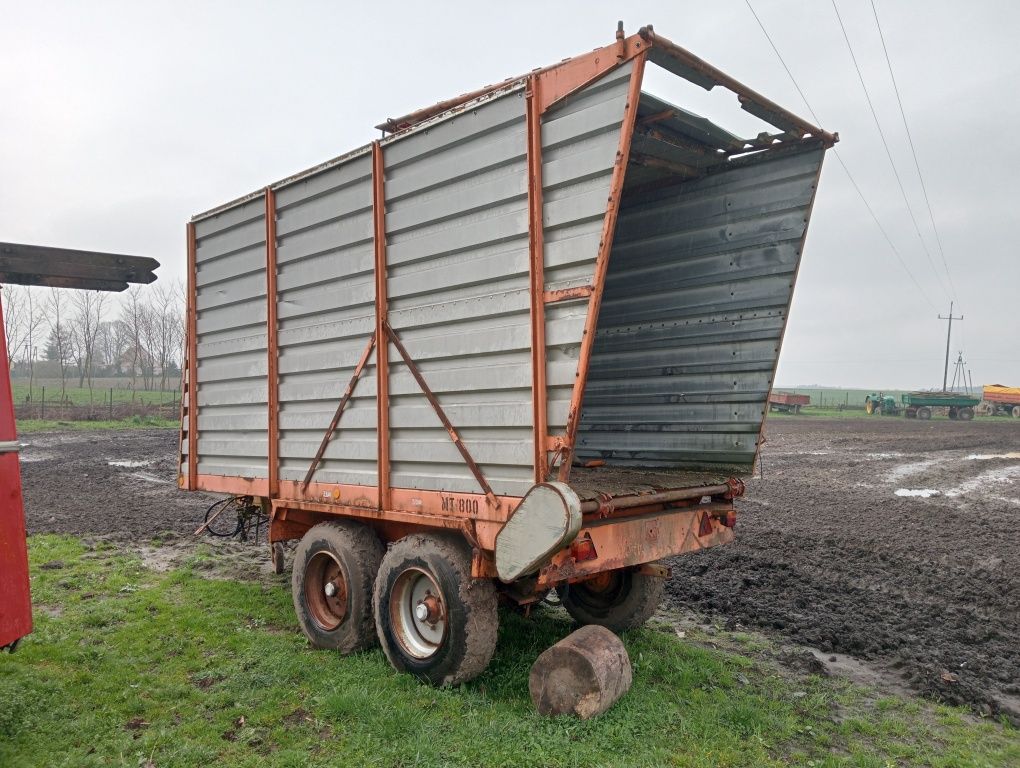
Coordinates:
434	402
339	411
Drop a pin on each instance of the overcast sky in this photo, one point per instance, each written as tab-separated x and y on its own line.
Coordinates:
119	120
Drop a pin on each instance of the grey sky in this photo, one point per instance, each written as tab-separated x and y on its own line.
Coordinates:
122	119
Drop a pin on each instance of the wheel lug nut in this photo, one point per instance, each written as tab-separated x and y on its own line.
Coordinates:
421	611
330	589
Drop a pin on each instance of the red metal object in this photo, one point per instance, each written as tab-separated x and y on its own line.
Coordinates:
536	240
272	363
15	601
785	398
382	355
192	368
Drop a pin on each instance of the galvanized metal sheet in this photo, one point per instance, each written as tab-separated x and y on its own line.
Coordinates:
697	296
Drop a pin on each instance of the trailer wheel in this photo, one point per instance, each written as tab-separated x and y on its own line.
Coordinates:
334	571
954	413
924	412
618	600
965	414
1016	411
432	618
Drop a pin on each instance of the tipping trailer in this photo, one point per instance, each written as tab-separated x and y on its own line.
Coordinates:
1001	400
920	405
524	341
787	402
22	264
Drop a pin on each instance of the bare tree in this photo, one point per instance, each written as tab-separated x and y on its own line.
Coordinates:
89	308
22	317
58	322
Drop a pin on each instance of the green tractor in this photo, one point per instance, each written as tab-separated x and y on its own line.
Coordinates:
882	404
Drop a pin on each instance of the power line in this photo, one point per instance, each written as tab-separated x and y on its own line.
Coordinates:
888	152
846	170
913	151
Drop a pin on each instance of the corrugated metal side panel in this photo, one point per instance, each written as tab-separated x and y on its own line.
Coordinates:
230	301
457	269
697	295
326	299
580	138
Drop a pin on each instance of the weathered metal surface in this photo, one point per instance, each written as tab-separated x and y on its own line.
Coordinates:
619	543
697	296
997	393
547	519
68	268
461	232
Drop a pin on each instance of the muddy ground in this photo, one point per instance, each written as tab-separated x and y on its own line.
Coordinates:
924	588
889	540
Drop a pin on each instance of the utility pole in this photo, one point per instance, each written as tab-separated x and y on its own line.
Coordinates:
949	333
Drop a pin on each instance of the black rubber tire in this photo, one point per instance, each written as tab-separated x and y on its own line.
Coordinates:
924	413
1016	411
954	414
469	639
965	414
358	551
628	602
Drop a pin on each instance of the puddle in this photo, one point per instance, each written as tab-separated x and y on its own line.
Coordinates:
988	456
889	455
924	493
1003	476
129	463
910	468
27	455
148	477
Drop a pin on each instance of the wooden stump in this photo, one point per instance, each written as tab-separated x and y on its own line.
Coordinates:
583	674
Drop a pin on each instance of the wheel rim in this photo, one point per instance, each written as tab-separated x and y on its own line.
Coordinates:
418	613
601	591
326	591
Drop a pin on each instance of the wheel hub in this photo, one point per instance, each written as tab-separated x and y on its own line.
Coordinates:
326	591
417	613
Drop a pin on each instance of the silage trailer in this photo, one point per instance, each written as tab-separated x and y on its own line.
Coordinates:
1002	400
524	341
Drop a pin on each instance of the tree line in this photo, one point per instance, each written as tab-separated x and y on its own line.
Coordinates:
89	334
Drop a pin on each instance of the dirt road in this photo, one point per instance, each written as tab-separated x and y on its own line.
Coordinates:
925	586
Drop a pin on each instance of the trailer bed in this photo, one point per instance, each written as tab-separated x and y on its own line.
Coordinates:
591	482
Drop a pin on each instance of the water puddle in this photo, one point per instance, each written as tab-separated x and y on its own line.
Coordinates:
989	456
880	456
149	478
910	468
131	464
923	493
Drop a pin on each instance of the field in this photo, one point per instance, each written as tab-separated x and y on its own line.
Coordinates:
806	642
122	391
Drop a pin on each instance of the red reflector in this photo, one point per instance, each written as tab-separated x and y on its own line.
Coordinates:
730	521
583	549
706	525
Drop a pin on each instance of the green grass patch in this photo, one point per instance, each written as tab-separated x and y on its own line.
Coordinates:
133	422
132	667
100	391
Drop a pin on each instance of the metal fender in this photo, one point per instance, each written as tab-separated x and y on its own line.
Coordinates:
547	519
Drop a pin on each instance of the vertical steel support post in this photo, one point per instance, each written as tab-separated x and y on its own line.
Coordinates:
602	261
273	365
536	245
192	335
382	361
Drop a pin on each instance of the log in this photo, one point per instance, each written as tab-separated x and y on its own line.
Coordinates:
584	674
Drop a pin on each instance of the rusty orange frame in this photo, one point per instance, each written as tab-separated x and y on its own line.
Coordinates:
272	351
192	359
602	262
536	261
382	353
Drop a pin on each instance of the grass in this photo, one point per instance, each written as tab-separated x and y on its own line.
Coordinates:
100	391
133	422
132	667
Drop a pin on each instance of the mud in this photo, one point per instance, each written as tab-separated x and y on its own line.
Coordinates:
923	589
831	554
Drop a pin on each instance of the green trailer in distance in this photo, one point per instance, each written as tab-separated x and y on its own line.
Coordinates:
919	405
